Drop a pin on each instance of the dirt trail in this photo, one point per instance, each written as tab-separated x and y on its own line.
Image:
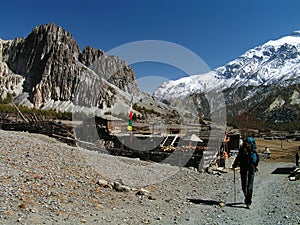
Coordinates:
43	181
276	200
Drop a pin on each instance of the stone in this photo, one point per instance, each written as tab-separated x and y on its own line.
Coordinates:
222	204
83	221
143	191
121	188
151	197
102	183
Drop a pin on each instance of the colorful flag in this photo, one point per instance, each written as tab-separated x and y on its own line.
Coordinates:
130	116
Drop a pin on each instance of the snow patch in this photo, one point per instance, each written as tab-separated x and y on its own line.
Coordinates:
295	99
277	103
291	40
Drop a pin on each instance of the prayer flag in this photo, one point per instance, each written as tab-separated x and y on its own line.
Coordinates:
130	116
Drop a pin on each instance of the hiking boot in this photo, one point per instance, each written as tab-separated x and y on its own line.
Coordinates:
248	206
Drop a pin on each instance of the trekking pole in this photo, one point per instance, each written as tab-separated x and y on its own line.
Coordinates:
234	191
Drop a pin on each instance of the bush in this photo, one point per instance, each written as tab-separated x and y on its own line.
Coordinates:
7	100
6	108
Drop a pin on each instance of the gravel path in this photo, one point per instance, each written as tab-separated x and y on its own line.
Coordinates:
43	181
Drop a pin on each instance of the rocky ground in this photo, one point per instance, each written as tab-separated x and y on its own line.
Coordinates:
43	181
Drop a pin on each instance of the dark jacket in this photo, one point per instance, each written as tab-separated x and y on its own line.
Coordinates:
244	159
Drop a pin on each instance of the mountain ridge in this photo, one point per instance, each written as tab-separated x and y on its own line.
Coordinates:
241	67
49	66
47	70
275	64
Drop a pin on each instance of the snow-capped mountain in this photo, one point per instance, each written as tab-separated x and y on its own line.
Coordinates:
275	63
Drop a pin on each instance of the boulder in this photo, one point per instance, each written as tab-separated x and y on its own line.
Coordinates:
120	187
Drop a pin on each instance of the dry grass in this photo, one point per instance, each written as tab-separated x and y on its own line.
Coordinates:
283	151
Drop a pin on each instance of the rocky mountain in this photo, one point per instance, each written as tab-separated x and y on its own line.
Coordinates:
49	66
263	82
47	70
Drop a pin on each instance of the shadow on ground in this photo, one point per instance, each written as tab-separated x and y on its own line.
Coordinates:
219	203
283	170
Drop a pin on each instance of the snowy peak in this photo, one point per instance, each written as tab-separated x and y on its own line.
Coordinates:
268	61
293	39
274	64
275	61
296	33
185	86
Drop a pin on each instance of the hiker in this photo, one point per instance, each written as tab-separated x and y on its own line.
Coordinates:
297	159
247	159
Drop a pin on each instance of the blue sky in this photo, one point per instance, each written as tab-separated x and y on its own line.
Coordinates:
218	31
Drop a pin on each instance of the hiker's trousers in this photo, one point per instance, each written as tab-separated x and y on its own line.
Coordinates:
247	179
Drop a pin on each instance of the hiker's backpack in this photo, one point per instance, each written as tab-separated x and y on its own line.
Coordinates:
254	158
254	155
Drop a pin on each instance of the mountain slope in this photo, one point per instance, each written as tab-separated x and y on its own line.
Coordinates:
47	70
251	82
51	66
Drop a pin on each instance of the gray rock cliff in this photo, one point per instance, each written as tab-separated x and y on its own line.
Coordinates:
49	66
